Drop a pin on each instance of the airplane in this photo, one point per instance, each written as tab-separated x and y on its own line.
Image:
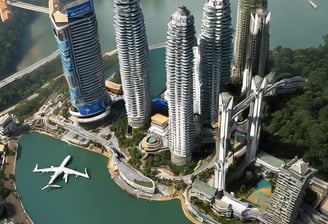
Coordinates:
58	171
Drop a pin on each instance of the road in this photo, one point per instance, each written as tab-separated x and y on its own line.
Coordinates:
29	69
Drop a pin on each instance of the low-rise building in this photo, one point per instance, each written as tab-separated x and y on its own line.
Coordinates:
114	87
159	120
269	162
7	125
324	206
203	191
157	137
4	11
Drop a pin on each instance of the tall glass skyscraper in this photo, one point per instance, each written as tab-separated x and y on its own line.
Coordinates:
75	29
179	70
244	11
258	43
215	56
133	54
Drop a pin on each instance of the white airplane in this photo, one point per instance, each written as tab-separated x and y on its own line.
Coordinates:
58	171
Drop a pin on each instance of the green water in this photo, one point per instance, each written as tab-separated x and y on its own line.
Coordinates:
95	200
157	71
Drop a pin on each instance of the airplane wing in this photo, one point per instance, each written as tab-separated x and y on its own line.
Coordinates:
76	173
44	170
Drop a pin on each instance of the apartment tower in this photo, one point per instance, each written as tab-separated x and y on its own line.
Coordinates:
215	56
133	55
75	29
293	179
258	43
244	11
179	70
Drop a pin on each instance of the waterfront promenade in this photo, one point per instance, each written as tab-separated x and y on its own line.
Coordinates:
13	204
112	169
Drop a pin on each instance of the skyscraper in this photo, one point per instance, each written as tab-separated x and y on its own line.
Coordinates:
179	70
244	11
133	54
258	43
215	55
75	29
286	200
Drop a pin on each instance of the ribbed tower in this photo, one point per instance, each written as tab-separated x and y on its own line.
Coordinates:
133	54
179	70
75	29
245	8
216	54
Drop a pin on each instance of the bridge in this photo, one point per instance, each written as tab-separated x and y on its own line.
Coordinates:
29	69
27	6
229	115
5	11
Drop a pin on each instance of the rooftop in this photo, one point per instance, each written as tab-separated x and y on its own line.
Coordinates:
271	160
324	206
159	118
300	167
204	188
4	11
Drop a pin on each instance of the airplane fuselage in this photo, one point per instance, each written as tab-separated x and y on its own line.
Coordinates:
60	170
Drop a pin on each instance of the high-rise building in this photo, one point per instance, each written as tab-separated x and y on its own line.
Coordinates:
215	56
179	70
244	11
258	45
75	29
286	200
133	54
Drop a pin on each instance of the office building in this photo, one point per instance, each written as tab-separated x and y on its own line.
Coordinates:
258	45
244	11
75	29
133	55
286	200
179	70
215	56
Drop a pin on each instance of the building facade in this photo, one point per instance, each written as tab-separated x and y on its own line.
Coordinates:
133	54
215	56
179	70
286	200
75	29
244	11
258	43
7	125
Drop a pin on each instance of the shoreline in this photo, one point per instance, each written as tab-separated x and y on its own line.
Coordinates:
111	170
13	203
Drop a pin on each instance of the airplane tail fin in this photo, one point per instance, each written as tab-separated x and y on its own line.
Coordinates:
86	173
35	168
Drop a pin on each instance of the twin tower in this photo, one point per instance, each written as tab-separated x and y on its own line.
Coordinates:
195	70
